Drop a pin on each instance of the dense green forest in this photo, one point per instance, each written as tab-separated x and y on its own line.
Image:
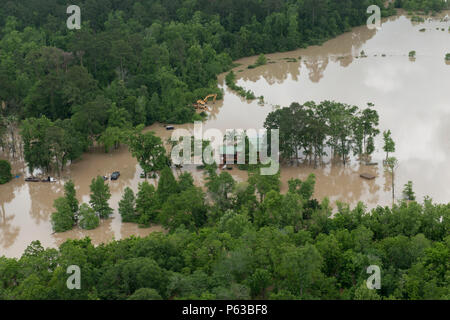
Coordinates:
251	241
136	62
426	6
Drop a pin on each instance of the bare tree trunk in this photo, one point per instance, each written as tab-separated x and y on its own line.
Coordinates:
393	188
315	158
13	140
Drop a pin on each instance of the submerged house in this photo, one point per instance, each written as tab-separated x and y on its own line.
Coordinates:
231	153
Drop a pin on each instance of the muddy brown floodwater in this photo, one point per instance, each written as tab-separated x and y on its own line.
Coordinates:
411	97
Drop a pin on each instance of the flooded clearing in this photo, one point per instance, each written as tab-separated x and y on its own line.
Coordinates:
412	98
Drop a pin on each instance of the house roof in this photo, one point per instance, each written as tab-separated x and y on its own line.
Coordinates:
230	149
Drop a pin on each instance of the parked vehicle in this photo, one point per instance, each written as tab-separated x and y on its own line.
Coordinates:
36	179
115	175
48	179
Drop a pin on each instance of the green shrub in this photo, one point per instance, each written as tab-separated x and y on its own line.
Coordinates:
63	219
230	81
145	294
88	219
5	171
262	60
417	19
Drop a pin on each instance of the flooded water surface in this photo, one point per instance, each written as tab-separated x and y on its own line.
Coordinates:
412	98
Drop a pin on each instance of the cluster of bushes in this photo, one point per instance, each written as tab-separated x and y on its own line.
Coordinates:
417	19
230	80
262	60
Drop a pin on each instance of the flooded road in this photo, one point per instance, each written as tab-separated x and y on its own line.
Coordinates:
411	97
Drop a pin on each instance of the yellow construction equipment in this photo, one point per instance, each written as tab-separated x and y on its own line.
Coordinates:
210	96
201	104
201	108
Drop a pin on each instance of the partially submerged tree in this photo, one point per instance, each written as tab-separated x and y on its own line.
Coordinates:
147	203
408	191
127	206
392	165
100	196
149	151
88	218
70	194
63	219
311	127
389	144
5	171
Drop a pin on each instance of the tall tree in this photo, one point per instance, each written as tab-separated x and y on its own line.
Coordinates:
63	218
148	150
408	191
389	144
5	171
36	144
127	206
70	195
167	185
147	203
100	195
220	188
392	164
264	183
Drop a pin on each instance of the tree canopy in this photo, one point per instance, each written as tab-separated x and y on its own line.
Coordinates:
281	246
308	130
